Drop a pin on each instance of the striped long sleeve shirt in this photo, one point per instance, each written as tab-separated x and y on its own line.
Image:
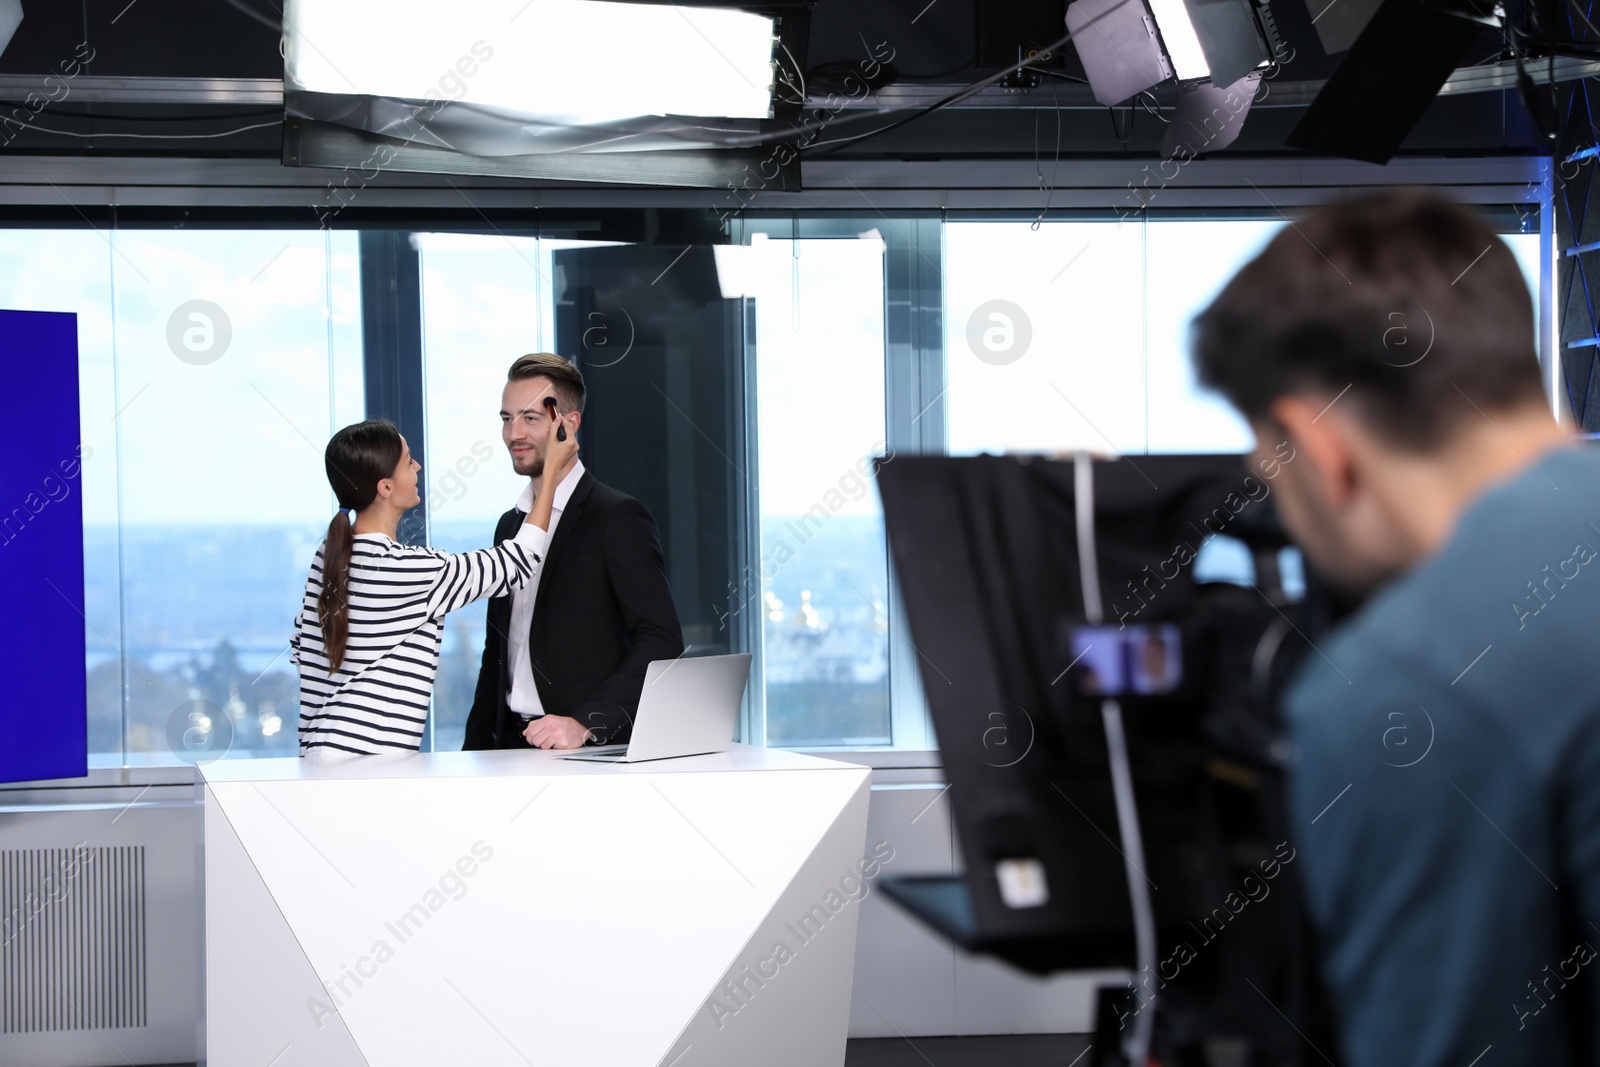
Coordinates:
377	701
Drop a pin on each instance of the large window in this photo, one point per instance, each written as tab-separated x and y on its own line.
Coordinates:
1044	341
820	588
214	365
1075	335
742	393
1186	264
486	299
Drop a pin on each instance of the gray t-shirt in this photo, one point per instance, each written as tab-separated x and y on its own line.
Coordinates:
1446	791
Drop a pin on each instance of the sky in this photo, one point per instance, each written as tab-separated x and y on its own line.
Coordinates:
206	434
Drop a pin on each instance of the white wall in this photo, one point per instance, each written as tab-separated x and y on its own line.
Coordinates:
909	982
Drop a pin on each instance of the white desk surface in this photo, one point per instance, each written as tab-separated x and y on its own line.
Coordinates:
505	763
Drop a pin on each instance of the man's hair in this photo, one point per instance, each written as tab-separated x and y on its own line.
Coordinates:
566	381
1406	298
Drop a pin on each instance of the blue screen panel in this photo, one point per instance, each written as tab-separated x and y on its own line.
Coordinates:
43	711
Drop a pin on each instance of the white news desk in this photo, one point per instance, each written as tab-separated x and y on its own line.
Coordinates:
483	908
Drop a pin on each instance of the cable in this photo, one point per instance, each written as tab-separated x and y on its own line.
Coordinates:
783	77
961	94
1579	10
157	136
1055	169
1058	74
1151	106
167	118
835	73
1136	1044
968	65
955	97
1127	129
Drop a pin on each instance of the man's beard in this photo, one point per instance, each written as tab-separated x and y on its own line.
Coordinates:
534	471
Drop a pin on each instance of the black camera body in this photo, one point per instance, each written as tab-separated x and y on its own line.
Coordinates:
1191	618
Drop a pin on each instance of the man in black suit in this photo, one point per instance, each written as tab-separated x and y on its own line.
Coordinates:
598	610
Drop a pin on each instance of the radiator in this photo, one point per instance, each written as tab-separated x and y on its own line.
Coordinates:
72	939
100	920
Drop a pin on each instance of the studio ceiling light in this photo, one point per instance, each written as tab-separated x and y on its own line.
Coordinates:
1128	46
1117	43
1182	43
559	90
584	61
1215	49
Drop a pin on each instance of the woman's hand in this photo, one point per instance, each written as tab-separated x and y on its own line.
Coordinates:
557	453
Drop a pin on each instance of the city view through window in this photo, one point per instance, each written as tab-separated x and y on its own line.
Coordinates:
196	545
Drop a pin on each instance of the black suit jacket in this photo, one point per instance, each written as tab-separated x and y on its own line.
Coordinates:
602	614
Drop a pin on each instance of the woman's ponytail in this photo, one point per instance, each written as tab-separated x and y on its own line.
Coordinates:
333	604
357	459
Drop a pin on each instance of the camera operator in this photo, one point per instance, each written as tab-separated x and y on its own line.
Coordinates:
1445	790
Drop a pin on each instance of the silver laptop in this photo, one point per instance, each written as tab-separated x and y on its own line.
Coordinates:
688	707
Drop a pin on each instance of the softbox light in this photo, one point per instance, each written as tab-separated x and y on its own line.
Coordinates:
1118	46
585	61
1230	33
1128	46
565	90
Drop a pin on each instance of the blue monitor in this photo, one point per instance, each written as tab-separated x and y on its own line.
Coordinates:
44	722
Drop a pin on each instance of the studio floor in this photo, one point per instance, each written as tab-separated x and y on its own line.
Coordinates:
1012	1050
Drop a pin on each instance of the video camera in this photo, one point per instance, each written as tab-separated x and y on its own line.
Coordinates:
1102	644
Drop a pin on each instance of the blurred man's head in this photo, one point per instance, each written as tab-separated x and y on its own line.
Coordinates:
1390	341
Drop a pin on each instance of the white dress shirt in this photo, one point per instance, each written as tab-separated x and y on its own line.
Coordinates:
524	696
